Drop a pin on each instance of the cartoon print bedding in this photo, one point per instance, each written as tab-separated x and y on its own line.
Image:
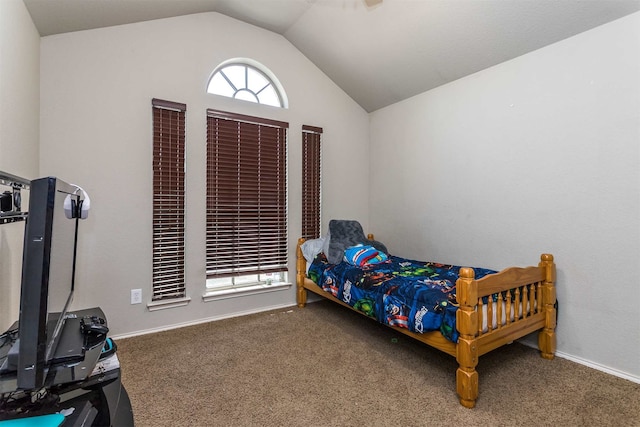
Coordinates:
420	296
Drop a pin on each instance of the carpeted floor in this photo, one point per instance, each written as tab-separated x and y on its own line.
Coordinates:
327	366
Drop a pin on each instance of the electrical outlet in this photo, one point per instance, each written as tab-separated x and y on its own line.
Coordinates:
136	296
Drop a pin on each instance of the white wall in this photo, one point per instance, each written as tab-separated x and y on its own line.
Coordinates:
19	133
96	91
538	154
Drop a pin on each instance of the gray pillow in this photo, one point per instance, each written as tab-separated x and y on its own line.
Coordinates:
343	234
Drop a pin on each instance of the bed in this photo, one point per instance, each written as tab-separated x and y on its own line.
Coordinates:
463	311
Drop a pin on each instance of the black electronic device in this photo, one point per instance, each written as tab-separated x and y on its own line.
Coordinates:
48	278
93	325
55	362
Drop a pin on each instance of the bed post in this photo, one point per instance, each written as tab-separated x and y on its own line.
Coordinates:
467	348
301	270
547	336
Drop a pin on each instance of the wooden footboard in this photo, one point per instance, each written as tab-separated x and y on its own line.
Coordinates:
493	311
525	302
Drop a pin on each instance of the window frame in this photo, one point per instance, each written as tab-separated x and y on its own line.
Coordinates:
169	201
244	86
311	181
229	247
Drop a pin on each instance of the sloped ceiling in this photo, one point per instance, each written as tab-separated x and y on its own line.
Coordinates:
378	51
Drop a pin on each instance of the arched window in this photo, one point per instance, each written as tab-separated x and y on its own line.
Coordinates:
249	81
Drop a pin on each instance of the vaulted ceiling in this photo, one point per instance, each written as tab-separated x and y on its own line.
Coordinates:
378	51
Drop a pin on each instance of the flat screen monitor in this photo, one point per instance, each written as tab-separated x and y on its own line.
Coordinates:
48	276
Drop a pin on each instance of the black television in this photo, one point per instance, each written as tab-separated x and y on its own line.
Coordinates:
48	276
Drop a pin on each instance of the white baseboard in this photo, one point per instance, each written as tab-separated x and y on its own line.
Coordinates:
599	367
590	364
200	321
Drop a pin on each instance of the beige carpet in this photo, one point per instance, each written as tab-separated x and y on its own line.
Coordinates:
327	366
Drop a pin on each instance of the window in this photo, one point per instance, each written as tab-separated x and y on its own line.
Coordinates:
168	199
245	82
246	200
311	181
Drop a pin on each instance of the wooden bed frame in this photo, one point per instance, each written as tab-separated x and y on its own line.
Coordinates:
528	291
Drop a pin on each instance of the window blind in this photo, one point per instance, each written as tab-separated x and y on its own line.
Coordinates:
246	195
168	199
311	181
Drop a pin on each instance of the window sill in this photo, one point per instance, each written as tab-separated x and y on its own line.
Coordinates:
215	295
171	303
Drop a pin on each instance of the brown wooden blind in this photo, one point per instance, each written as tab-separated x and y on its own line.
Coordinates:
246	195
311	181
168	199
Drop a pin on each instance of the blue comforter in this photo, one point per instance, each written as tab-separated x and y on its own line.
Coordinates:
419	296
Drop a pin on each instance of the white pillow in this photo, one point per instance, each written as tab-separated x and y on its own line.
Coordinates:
311	248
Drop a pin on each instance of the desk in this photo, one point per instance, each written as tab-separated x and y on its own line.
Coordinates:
85	395
105	405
